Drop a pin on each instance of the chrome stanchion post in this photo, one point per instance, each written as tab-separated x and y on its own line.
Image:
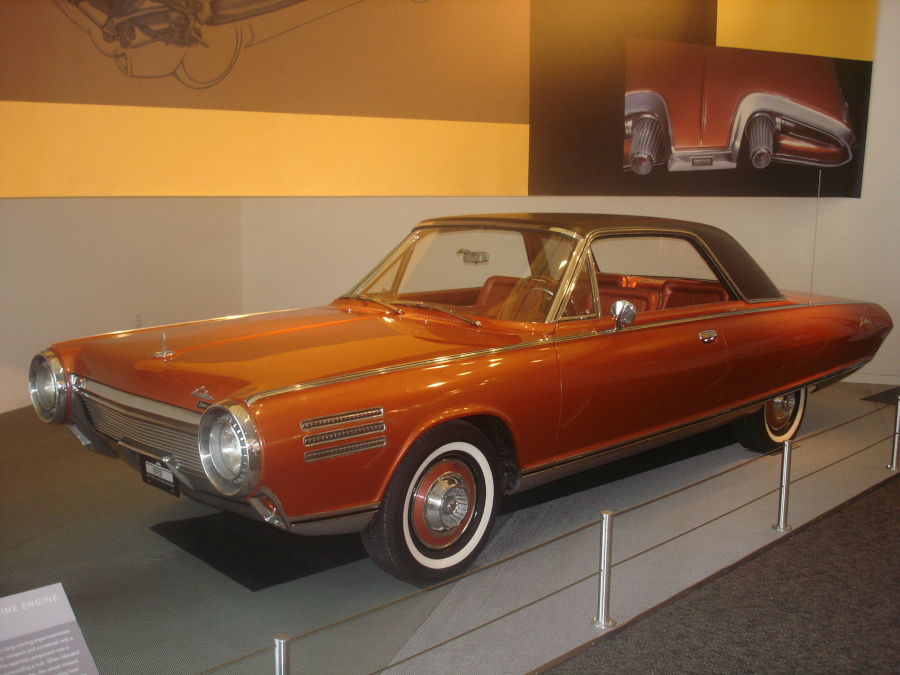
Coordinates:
893	465
602	619
782	525
282	654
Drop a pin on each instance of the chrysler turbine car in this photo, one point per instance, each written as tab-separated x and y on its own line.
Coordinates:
484	356
698	107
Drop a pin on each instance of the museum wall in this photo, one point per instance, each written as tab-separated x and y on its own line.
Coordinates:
71	267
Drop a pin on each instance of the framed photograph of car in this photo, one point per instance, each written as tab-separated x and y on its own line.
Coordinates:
695	107
483	356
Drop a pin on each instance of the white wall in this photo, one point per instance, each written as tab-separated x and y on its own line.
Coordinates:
73	267
305	252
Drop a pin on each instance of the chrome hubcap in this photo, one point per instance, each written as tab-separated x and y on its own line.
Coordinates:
780	409
441	507
447	503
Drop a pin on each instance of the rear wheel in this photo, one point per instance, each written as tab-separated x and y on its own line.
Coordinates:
775	423
439	508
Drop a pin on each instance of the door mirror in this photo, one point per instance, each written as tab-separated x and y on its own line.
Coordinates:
624	313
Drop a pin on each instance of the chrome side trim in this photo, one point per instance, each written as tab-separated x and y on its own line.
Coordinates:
343	434
426	363
705	317
344	521
346	449
341	418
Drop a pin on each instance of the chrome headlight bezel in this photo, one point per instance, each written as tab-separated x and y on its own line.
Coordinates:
48	387
230	418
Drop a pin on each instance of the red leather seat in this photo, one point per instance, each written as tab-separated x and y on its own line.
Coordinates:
643	299
495	288
611	279
685	293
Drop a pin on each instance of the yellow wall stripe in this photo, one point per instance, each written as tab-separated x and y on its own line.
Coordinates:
68	150
840	28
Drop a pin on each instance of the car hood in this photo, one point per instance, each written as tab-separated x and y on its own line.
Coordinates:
238	357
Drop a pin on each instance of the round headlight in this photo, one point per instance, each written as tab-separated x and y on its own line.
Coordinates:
48	388
230	449
225	449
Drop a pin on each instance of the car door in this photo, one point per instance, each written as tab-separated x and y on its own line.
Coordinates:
664	370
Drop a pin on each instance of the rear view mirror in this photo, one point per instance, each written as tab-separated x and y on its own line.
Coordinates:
474	256
624	313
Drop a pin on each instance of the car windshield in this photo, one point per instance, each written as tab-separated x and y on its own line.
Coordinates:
504	274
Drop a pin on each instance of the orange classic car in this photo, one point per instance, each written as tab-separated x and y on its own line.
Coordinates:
699	107
484	356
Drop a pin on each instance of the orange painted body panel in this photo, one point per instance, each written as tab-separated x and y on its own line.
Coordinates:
242	356
414	400
630	383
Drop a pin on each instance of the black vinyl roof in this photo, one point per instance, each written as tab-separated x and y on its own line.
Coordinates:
748	278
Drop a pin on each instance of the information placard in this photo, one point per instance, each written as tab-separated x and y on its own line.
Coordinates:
40	636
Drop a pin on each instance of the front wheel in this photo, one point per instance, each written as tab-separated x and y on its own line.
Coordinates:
775	423
439	508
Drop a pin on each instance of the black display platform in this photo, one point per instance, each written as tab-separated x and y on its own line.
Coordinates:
256	555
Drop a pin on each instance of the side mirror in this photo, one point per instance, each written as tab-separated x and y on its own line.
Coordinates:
624	313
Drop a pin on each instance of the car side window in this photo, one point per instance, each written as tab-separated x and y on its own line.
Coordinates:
653	272
581	301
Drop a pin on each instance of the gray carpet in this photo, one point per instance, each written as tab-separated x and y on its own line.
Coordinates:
825	600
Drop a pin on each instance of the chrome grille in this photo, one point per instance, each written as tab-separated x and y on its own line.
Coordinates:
343	434
342	418
147	426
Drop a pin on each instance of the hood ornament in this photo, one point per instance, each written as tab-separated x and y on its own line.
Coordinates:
163	353
202	392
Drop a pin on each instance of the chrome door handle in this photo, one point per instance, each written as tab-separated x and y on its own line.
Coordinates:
707	336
